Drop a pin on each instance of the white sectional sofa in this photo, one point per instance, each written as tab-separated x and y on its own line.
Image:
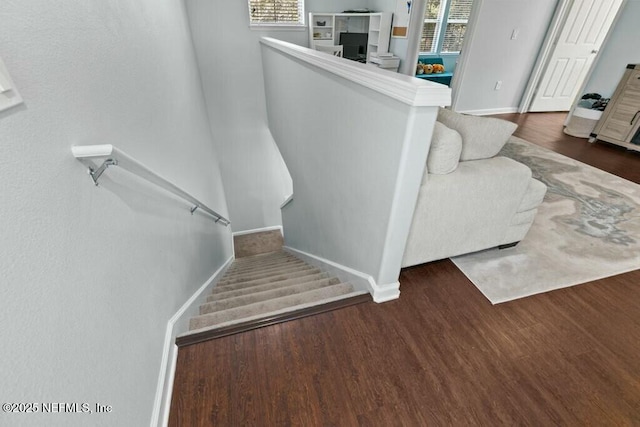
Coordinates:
469	199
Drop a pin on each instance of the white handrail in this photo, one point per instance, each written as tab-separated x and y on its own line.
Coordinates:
114	157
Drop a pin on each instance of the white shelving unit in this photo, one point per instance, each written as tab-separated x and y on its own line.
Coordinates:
379	33
325	29
321	27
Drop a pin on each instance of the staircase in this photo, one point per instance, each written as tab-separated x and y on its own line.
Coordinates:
264	289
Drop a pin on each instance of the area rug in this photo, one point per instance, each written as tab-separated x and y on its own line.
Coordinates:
587	228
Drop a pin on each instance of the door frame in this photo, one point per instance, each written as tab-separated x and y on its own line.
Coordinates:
416	21
413	45
462	63
555	28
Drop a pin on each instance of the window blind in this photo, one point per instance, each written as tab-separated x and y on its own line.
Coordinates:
445	33
428	39
431	27
285	12
453	37
433	9
460	10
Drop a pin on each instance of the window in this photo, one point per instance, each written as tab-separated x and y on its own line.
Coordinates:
276	12
445	22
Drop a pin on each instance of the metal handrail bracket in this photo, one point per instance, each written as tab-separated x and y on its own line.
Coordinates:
114	157
95	174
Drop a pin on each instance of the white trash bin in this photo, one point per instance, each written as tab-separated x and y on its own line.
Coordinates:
582	122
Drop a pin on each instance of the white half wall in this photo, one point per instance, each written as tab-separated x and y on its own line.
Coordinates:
493	56
357	163
91	275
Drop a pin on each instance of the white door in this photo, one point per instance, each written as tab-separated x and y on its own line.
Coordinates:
585	29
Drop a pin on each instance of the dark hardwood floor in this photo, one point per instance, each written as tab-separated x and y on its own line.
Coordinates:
545	129
441	354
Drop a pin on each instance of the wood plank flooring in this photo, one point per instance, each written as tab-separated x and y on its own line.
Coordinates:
441	354
545	129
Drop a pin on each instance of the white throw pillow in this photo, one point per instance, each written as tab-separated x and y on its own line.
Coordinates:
444	153
482	137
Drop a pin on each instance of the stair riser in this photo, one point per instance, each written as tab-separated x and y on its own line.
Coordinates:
265	296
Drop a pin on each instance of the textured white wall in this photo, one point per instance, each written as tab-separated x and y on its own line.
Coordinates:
336	5
228	52
494	56
90	276
621	48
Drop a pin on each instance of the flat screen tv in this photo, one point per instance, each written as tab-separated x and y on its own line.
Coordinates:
354	46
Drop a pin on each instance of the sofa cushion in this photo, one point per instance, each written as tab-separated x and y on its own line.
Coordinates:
444	153
533	196
482	137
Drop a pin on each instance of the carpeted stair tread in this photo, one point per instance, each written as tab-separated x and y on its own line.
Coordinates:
239	269
264	255
254	297
265	264
265	307
230	293
259	275
273	271
262	258
257	286
249	269
263	280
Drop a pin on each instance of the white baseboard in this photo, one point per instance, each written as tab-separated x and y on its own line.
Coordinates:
258	230
387	292
490	111
162	403
360	281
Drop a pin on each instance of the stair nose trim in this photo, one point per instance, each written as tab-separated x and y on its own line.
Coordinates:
261	308
283	311
205	334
